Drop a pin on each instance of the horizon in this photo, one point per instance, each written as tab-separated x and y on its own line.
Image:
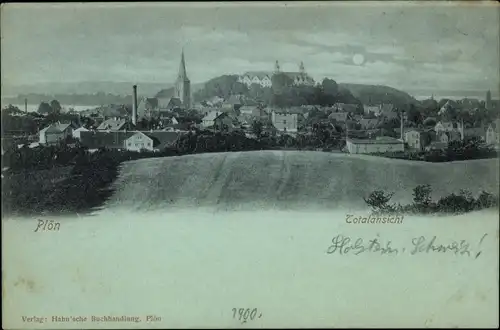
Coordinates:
390	45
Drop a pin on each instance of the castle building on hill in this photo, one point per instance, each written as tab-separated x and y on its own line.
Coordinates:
264	78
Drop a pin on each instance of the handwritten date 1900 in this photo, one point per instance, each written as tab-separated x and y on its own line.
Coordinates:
246	314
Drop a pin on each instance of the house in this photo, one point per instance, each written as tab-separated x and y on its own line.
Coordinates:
417	139
342	107
169	103
368	123
147	107
115	124
234	102
388	111
447	107
151	141
264	78
76	132
285	121
104	139
371	109
370	146
447	131
339	117
261	113
55	133
140	141
475	132
248	109
209	119
215	101
436	145
493	133
113	110
226	121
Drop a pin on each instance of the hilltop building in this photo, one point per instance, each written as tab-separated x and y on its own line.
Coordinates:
264	78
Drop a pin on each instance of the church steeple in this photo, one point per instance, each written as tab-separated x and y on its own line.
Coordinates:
276	67
183	85
182	69
301	68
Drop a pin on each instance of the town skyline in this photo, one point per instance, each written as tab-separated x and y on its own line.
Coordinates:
364	43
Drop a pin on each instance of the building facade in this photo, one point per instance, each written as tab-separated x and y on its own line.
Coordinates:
417	139
55	133
449	131
369	146
139	141
285	122
264	78
492	134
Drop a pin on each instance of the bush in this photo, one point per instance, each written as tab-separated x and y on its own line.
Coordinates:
462	202
379	200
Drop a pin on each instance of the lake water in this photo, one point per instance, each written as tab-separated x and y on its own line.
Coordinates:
66	107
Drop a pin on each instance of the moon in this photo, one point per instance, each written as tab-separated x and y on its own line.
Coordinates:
358	59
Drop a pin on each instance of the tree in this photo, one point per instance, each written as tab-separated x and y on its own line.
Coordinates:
414	115
422	197
330	86
11	109
223	86
257	128
429	122
379	200
56	106
280	81
44	108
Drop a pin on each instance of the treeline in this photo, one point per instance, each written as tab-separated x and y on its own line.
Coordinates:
455	151
456	203
75	99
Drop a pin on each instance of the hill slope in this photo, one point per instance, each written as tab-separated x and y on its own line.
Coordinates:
286	180
378	94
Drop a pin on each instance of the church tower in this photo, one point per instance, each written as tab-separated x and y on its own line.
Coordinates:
302	70
183	85
276	67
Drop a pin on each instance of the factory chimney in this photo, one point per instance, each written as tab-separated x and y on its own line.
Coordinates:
402	125
26	105
134	105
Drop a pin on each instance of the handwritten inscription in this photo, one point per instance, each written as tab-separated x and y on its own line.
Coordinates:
47	225
345	245
246	314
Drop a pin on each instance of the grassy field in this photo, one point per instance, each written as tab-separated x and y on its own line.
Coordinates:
287	180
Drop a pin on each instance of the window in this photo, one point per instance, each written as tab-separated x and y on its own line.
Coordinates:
129	144
149	144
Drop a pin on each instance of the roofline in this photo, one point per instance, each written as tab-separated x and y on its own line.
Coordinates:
367	141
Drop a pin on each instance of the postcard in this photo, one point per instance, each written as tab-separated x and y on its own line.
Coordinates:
250	165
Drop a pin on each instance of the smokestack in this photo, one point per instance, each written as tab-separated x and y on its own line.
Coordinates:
26	105
402	126
134	105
